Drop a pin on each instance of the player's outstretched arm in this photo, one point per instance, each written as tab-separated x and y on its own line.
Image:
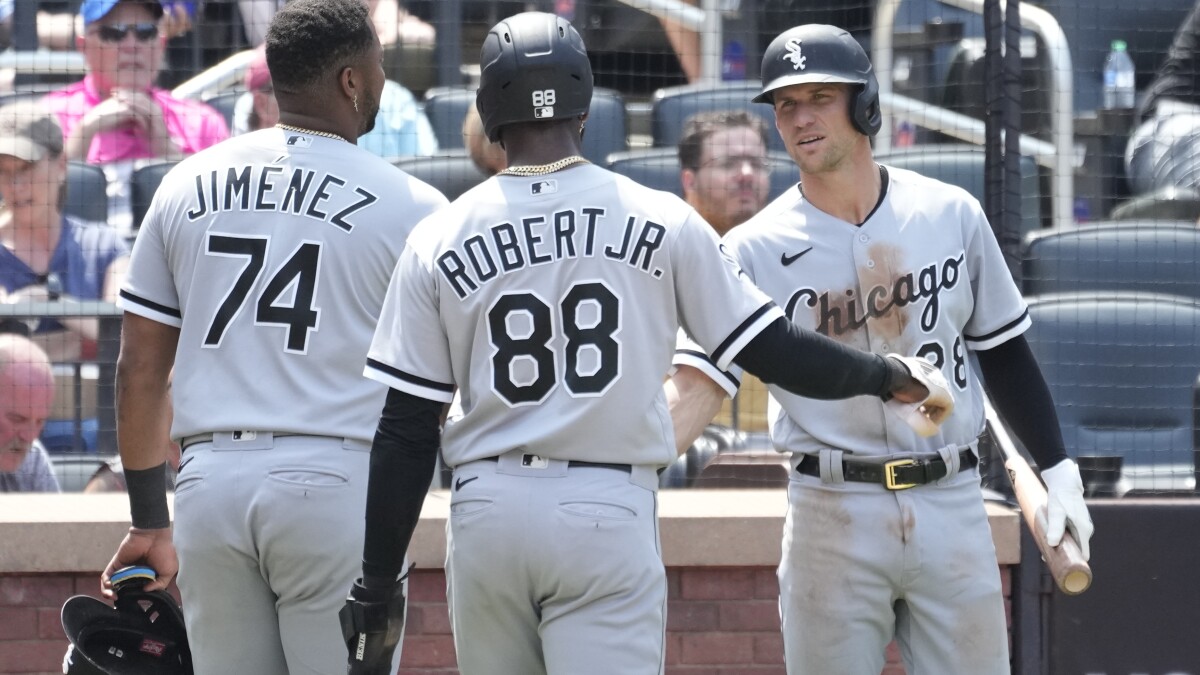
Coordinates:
814	366
403	455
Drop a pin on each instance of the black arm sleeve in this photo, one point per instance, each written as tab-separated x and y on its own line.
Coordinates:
403	456
1022	398
811	365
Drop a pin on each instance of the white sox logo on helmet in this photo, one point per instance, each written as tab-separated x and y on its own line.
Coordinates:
793	54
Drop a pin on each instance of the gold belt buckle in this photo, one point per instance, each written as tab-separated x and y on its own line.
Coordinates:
889	474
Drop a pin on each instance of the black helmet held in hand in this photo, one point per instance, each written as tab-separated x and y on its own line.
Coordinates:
144	633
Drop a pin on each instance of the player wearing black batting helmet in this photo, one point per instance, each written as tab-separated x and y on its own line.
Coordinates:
144	633
910	556
532	69
548	298
820	53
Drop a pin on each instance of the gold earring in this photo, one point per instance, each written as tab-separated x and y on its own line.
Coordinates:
356	103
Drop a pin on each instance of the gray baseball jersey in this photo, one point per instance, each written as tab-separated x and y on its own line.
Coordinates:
923	277
552	303
272	254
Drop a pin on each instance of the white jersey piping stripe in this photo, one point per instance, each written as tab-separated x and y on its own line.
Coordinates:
1000	335
150	310
700	361
407	382
723	355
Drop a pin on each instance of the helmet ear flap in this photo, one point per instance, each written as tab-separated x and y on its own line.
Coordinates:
865	111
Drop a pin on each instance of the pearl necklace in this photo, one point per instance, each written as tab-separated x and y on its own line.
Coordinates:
542	169
311	132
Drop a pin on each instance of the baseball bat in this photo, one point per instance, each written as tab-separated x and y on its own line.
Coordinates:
1070	571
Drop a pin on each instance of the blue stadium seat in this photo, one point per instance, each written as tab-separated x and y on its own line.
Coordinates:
673	105
1169	203
1122	368
446	107
962	165
606	126
142	186
453	173
87	192
1147	257
606	131
224	103
74	470
658	168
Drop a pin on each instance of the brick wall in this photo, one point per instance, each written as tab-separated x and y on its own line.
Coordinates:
721	621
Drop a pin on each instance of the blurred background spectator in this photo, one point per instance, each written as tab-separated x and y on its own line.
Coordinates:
115	117
401	128
1164	151
488	156
26	393
723	166
46	254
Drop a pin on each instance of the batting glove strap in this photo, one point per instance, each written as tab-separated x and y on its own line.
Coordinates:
372	625
1065	506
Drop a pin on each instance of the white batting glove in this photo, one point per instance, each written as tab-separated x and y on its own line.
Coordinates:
1065	506
926	415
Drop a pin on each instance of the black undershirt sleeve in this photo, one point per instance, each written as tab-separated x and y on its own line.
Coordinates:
1021	396
811	365
403	456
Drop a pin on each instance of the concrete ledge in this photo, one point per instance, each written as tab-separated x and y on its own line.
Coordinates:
698	528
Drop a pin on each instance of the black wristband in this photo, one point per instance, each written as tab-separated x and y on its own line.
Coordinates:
148	497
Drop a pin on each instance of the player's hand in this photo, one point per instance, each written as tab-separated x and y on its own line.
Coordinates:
372	626
919	394
1065	506
152	548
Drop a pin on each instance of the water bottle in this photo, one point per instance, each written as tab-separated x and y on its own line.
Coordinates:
1118	78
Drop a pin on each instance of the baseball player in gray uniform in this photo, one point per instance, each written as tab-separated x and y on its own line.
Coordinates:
549	297
259	274
886	536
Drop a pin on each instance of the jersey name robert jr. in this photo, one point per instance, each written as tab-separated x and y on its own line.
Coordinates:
539	239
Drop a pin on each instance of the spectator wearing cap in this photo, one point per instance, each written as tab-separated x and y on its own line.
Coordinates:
115	117
46	254
401	128
256	109
26	393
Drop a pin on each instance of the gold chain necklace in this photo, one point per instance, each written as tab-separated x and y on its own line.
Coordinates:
312	132
542	169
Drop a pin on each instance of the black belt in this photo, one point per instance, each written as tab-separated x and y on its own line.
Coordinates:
574	463
891	471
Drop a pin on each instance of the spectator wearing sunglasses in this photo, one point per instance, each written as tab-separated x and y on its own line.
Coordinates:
115	117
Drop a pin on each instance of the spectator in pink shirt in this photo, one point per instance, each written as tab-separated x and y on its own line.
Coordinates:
115	117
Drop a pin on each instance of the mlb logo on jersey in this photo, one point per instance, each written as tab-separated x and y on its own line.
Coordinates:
301	141
544	187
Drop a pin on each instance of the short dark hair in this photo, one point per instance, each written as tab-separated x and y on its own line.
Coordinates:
700	126
310	38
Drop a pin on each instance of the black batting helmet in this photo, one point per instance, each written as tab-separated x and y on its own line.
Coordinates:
533	67
144	633
820	53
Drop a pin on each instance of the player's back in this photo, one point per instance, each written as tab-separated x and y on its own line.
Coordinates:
560	298
272	253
